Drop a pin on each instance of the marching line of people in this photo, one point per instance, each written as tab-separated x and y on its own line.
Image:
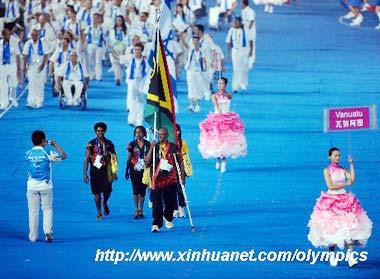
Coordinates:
45	34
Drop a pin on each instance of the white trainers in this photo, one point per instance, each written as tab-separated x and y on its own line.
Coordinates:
14	103
333	259
349	15
377	27
168	225
223	166
155	229
266	8
181	212
217	165
197	108
150	204
175	214
351	261
270	9
357	21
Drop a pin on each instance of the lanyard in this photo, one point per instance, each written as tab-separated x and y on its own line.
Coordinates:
133	67
11	8
40	49
139	153
68	71
100	148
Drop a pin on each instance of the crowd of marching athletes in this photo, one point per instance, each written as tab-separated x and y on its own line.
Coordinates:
68	42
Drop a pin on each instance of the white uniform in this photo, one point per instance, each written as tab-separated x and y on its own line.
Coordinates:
48	36
195	69
218	57
118	42
74	27
73	75
59	57
221	7
35	53
147	29
137	76
111	12
205	45
85	17
239	43
248	15
8	72
95	38
12	11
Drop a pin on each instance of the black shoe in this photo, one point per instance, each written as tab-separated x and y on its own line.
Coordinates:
48	237
235	92
118	83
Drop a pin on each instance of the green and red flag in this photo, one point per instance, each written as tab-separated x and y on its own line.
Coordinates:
160	99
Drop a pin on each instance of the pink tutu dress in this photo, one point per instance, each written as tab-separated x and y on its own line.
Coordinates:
222	133
338	217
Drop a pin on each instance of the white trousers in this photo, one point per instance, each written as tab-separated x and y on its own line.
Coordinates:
94	62
240	69
213	17
8	84
36	86
78	85
116	67
36	200
195	85
137	101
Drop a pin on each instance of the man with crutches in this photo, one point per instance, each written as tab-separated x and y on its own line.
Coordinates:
164	179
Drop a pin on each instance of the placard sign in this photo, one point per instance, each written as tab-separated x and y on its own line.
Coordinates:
350	119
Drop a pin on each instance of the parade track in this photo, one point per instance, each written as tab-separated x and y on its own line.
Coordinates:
306	61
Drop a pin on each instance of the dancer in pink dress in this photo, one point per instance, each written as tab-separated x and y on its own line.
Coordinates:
338	218
222	132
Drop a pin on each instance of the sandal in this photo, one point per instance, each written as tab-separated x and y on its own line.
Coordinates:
141	214
106	210
137	214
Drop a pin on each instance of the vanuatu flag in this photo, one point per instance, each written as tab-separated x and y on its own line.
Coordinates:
160	100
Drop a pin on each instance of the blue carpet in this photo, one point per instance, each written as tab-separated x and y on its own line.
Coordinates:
306	61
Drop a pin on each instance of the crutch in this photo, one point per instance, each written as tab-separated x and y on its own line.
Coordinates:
184	193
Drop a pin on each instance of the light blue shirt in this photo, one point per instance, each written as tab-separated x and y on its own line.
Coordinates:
39	168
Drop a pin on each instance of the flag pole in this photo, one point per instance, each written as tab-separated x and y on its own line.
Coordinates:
155	114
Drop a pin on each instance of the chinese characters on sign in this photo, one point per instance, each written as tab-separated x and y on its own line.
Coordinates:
348	119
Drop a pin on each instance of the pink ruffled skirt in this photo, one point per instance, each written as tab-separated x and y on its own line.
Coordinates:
222	135
338	219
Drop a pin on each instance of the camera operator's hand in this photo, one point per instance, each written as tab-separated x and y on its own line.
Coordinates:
54	143
59	149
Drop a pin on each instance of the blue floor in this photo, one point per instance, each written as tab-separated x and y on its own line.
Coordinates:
306	61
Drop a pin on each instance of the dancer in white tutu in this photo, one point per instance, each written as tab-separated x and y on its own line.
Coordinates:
269	4
338	218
